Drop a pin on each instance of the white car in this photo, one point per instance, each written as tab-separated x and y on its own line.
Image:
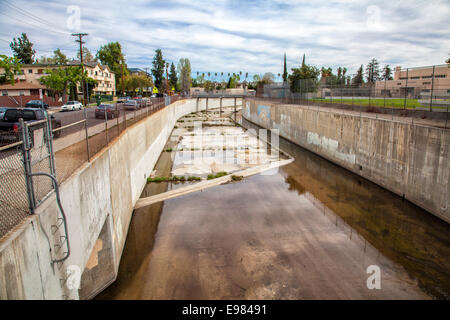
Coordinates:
71	106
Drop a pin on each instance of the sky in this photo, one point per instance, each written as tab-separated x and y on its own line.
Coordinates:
239	35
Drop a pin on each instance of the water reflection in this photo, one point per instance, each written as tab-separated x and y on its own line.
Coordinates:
307	232
400	230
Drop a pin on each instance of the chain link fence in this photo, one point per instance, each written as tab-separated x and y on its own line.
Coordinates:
413	104
76	138
14	206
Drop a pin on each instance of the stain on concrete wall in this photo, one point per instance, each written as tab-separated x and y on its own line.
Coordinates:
407	159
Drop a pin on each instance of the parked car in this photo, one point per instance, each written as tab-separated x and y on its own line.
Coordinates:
36	104
131	105
123	99
148	102
71	106
10	122
111	111
142	103
2	112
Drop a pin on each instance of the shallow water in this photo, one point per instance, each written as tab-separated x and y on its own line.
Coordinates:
308	231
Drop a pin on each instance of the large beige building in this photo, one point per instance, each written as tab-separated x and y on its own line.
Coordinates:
419	81
31	73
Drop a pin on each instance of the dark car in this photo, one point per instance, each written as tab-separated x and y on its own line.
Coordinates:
10	122
109	110
36	104
2	112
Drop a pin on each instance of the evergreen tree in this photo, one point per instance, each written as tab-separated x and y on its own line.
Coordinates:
285	74
358	79
373	71
158	69
23	49
173	78
387	73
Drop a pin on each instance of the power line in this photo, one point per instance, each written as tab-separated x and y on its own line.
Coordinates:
29	14
32	16
34	26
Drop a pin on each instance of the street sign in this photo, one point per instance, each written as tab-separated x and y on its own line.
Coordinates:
155	90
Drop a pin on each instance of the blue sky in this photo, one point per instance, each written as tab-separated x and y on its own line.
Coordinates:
231	36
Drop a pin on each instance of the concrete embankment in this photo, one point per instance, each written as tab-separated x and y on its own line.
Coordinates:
407	159
98	200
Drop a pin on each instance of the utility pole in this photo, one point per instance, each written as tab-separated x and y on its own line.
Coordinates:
146	74
123	89
80	40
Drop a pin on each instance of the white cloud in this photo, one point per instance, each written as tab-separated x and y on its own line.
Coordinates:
232	36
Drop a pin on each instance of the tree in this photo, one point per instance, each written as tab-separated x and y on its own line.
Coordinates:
10	65
285	74
372	71
87	55
358	79
209	86
304	79
387	73
184	70
133	82
59	57
158	69
60	79
111	54
303	61
45	60
173	78
23	49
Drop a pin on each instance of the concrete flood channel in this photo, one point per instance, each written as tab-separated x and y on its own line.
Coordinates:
307	230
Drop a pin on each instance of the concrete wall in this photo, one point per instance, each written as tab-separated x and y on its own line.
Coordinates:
102	192
409	160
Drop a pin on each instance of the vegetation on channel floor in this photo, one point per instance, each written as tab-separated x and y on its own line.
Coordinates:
217	175
174	179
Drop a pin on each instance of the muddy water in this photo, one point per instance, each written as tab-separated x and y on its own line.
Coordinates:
308	231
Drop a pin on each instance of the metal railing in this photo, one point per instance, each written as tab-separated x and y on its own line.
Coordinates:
416	106
36	147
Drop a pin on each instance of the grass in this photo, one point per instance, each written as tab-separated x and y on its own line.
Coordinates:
236	178
217	175
173	179
375	102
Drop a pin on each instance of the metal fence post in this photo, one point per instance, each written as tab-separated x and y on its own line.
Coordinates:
106	126
27	165
406	88
118	116
432	89
125	117
86	132
49	138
